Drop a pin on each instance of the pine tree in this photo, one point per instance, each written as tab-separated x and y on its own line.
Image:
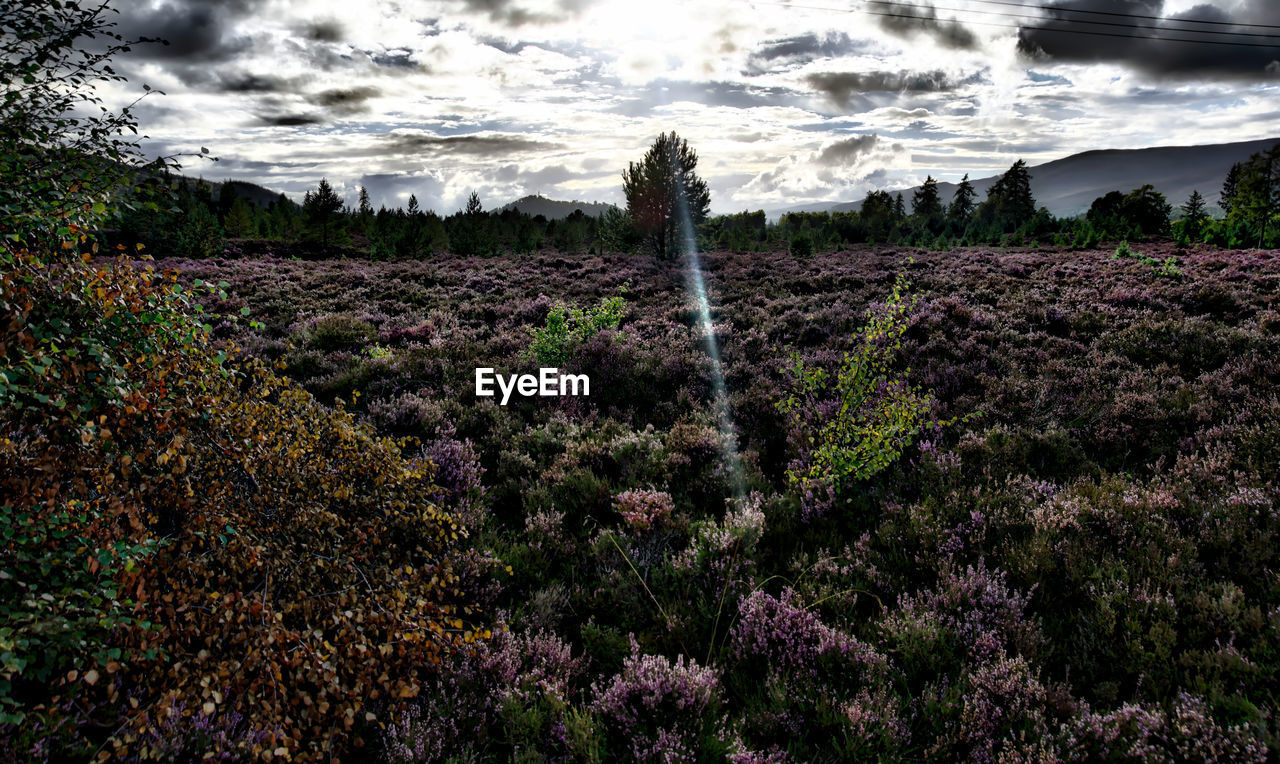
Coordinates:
1009	201
320	207
1254	196
962	204
364	208
664	194
1193	216
926	205
1230	187
239	221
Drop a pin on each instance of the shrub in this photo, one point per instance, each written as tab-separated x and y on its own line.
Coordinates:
852	427
659	710
801	245
297	544
567	327
644	510
341	332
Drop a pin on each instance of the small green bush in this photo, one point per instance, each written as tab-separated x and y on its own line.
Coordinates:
878	413
568	326
801	245
341	332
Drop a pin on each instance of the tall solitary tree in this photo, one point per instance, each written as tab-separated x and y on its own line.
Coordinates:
1230	186
664	194
1257	196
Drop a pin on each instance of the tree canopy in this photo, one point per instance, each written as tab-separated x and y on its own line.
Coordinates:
1009	201
664	193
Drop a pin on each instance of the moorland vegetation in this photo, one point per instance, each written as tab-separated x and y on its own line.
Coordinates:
958	503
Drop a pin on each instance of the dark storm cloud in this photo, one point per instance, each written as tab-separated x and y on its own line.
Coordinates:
1060	38
840	86
847	151
345	101
512	13
289	120
791	52
323	31
493	146
252	83
196	30
909	19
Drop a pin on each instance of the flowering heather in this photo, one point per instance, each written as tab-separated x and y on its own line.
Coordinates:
790	638
661	709
1080	566
642	510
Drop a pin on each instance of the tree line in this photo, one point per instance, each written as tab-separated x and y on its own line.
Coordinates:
663	192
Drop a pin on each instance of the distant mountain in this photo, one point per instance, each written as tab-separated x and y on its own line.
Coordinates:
263	197
552	209
250	192
1068	186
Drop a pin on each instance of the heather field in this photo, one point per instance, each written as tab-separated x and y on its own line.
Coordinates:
1070	555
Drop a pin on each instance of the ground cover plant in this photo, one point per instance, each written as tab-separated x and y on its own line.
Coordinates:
1072	558
873	503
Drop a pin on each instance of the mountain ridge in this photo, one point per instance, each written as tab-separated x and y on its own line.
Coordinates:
1065	186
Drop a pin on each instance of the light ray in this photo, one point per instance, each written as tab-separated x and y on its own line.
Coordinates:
719	390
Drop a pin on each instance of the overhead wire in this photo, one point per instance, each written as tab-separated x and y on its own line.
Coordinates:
1059	9
1051	30
897	3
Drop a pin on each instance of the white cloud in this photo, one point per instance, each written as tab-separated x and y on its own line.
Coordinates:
582	82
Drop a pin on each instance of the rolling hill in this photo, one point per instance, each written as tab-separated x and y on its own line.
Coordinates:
552	209
1068	186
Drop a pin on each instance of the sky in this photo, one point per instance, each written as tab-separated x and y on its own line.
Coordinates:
785	103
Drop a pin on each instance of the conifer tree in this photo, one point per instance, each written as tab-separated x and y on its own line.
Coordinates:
1193	216
663	193
926	205
962	204
321	206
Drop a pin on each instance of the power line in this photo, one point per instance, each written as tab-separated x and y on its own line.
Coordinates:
1057	9
935	20
896	4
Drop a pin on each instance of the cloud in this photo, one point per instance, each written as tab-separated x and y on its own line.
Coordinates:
844	152
658	93
195	30
288	120
485	146
791	52
398	58
345	101
910	19
514	13
323	31
1059	38
393	189
251	83
840	86
837	168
